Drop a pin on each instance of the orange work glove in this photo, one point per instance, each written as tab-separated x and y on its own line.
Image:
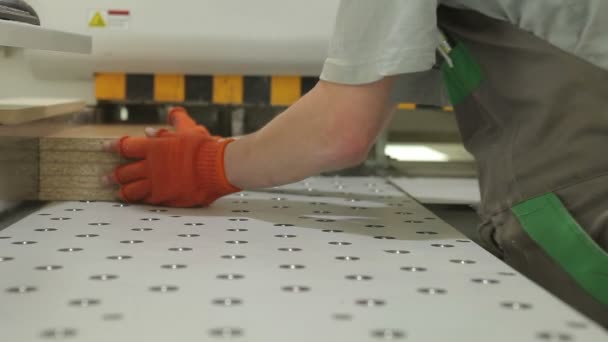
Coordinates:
183	123
184	168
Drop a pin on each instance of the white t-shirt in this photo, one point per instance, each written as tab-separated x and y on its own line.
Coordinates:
377	38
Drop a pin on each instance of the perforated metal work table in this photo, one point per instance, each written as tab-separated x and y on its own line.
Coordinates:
328	259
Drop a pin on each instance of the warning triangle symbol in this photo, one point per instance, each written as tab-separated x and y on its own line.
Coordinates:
97	20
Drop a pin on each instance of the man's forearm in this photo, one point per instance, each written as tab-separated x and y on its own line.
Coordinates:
330	128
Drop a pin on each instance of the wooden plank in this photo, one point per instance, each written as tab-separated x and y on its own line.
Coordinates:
18	168
93	132
59	161
19	110
70	182
51	169
76	157
72	162
18	180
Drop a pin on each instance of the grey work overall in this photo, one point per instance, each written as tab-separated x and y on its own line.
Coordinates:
536	120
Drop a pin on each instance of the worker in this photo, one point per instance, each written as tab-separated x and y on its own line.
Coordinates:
529	84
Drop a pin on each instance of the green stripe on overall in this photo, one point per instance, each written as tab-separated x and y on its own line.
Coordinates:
551	226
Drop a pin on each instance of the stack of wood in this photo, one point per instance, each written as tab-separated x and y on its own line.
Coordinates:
55	160
18	167
72	162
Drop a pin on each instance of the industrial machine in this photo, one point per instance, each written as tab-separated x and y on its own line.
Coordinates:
234	65
370	254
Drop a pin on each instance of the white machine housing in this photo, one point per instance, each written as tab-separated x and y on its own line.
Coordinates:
262	37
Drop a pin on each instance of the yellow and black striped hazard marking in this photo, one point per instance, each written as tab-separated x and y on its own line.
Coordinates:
217	89
206	89
413	106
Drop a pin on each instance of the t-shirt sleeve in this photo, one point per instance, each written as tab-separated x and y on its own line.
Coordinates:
377	38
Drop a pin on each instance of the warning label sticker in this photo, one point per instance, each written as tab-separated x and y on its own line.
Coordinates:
98	20
118	19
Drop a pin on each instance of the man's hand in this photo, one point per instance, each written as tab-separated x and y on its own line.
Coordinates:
183	123
184	168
